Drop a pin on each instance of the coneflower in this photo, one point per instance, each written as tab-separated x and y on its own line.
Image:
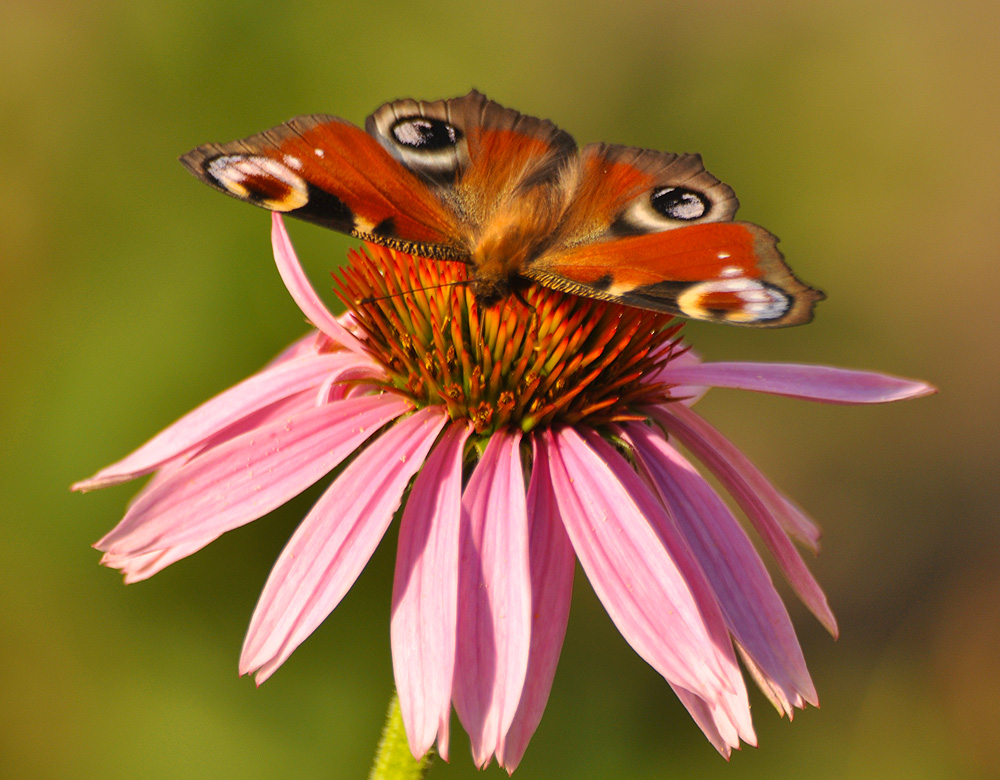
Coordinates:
530	434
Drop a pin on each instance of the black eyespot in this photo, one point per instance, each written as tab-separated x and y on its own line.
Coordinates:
425	135
679	203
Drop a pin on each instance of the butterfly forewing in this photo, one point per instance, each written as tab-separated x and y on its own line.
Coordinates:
327	171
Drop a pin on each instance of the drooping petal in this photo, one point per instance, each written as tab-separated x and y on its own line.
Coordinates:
494	597
425	595
784	704
303	293
731	712
754	612
730	466
334	542
794	380
657	597
792	519
248	476
258	391
552	563
136	568
717	723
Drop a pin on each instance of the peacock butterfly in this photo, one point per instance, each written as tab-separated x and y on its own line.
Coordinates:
512	196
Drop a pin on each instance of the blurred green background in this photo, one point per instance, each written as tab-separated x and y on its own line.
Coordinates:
864	134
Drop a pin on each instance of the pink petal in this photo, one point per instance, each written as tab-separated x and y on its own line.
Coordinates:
552	563
792	519
753	609
315	342
279	411
425	595
811	383
784	704
656	596
731	712
727	719
141	567
750	490
690	394
136	568
494	601
251	395
302	292
334	542
718	723
248	476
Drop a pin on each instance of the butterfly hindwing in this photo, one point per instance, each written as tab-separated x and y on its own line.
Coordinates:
729	272
478	155
623	191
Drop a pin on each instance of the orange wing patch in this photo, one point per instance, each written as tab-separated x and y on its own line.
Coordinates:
324	170
722	271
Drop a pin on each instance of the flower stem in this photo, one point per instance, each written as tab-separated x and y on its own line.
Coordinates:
393	759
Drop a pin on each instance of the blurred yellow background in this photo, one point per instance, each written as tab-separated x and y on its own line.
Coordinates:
866	135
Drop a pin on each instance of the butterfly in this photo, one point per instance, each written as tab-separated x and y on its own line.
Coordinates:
514	198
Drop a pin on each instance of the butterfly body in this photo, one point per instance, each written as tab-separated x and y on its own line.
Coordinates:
513	197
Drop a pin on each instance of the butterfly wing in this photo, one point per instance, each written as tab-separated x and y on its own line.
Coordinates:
327	171
476	154
425	177
468	179
729	272
654	230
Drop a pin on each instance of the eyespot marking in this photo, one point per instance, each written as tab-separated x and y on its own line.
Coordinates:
734	298
667	206
425	134
431	147
679	203
260	180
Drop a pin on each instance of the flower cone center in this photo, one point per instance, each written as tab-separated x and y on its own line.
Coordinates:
537	357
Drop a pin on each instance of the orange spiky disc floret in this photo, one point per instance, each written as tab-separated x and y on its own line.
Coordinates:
538	357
